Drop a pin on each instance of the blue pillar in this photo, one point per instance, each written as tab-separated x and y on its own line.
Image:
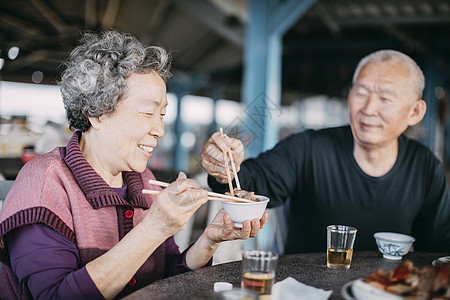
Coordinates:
261	92
181	86
181	156
261	89
216	94
431	117
447	130
428	94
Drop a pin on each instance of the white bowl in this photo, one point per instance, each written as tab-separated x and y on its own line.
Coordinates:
393	245
241	211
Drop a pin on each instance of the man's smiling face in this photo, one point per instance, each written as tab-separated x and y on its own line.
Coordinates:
380	103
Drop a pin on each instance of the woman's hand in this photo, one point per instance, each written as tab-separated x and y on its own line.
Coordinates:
212	155
168	214
222	228
175	205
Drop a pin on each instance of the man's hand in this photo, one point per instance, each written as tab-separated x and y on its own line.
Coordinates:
212	155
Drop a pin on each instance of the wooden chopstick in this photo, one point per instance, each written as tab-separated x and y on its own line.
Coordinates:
225	158
153	192
158	183
236	178
212	194
229	197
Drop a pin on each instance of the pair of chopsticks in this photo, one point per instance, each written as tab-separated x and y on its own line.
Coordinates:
236	178
211	195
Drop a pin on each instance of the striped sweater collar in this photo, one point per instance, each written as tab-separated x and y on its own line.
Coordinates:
98	193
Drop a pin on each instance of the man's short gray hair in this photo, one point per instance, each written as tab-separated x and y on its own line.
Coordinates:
387	55
94	80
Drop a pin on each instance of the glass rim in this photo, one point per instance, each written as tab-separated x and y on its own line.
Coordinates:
341	228
261	254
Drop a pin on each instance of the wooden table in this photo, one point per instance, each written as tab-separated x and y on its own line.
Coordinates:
308	268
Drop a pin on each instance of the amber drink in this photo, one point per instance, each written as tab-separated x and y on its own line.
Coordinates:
339	258
258	270
258	281
340	240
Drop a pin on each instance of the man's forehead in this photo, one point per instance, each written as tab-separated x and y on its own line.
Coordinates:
379	88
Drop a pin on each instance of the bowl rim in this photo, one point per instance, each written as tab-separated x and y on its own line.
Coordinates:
395	237
263	201
440	260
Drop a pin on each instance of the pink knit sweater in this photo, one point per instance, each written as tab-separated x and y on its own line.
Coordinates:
61	190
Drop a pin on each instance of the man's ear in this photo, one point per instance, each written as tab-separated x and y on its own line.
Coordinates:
417	112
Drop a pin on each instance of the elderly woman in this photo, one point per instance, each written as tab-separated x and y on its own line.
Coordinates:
76	224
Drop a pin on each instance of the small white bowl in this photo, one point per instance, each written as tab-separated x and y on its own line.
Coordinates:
241	211
393	245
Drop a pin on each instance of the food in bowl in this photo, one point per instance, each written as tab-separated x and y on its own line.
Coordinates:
393	245
241	211
243	194
405	282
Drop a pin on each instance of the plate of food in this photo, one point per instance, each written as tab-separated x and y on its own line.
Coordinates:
359	290
403	282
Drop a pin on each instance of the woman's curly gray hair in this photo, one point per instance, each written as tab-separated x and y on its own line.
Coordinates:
97	70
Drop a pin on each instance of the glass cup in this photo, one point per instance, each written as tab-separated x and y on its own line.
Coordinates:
258	270
340	240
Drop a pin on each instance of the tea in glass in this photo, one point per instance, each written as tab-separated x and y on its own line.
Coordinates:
258	270
339	258
340	240
258	281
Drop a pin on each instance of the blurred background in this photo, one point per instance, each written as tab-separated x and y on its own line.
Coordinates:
261	69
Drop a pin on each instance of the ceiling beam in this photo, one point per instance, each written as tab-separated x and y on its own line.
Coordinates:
51	16
209	44
155	21
23	26
410	20
27	60
288	12
409	41
90	13
295	46
209	15
327	19
110	16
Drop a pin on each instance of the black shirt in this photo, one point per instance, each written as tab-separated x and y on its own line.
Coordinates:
316	170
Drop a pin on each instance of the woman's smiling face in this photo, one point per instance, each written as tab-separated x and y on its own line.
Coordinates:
132	131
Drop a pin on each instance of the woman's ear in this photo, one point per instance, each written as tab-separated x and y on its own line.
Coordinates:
95	122
417	112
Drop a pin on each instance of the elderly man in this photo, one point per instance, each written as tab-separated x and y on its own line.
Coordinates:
368	174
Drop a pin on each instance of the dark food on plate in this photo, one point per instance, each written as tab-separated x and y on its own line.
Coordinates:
243	194
432	282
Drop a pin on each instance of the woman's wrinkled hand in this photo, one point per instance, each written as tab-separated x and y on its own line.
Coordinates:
222	229
175	205
212	155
